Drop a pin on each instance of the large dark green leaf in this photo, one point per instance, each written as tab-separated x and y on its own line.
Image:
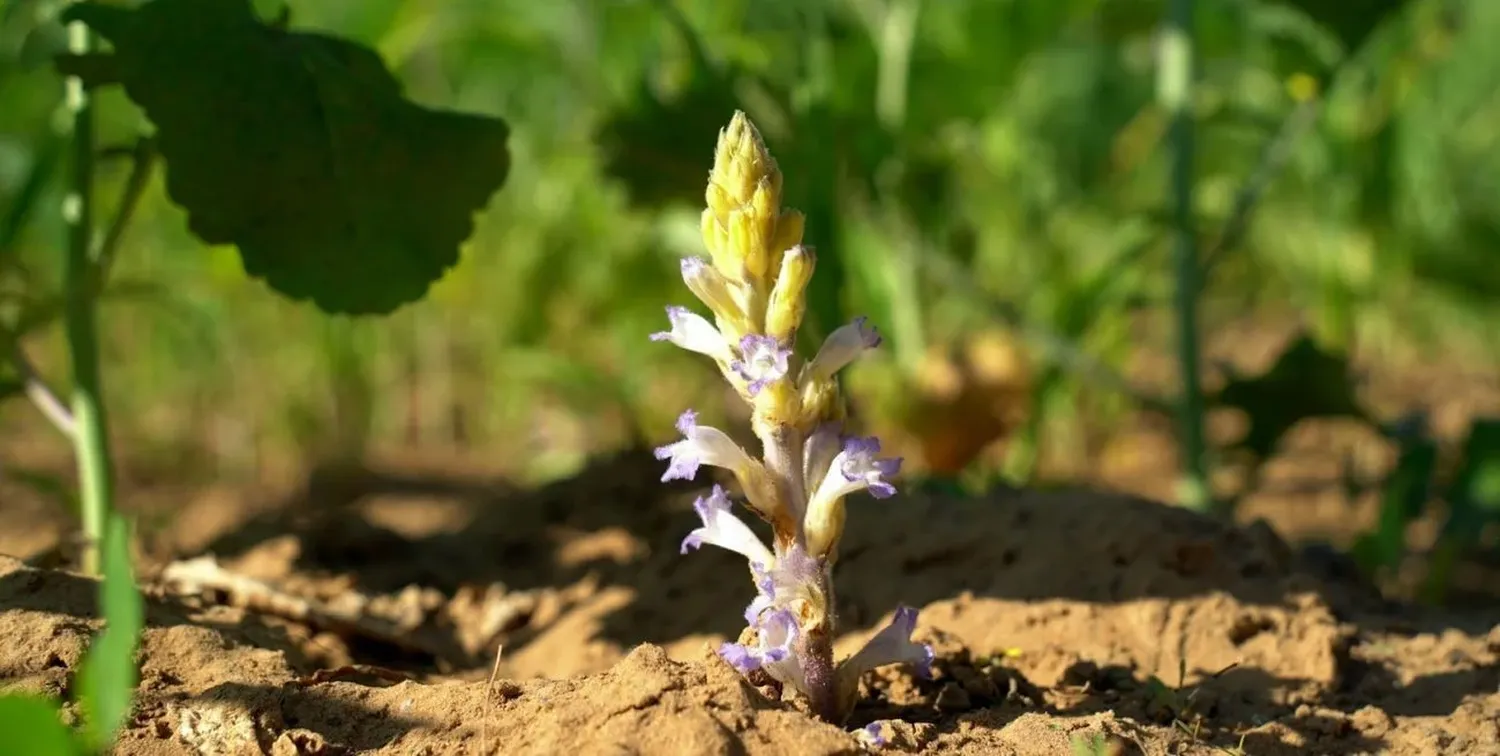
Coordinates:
299	149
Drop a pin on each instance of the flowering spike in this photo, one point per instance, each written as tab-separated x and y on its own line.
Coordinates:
755	283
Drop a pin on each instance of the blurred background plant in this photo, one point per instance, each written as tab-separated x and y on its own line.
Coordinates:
987	179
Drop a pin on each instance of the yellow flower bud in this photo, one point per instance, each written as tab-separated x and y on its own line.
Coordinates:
821	403
713	290
761	215
714	236
724	252
788	296
788	234
742	246
720	204
744	197
741	161
823	528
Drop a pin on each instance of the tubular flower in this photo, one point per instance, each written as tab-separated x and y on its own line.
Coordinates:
754	282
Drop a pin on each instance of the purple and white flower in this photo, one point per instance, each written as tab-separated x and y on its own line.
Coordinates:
765	593
841	348
892	645
819	451
856	468
872	734
721	528
700	445
775	633
694	333
762	361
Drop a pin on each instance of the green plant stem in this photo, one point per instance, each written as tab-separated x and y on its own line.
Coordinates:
91	431
1175	90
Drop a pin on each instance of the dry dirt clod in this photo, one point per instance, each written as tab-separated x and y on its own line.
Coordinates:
304	743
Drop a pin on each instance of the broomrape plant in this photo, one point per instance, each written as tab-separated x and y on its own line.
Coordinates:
754	284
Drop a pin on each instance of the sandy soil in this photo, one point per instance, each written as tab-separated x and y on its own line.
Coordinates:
1060	618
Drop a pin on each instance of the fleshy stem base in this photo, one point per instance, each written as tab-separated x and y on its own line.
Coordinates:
814	646
815	649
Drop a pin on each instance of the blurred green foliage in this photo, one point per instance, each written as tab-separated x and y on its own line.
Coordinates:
958	160
1461	486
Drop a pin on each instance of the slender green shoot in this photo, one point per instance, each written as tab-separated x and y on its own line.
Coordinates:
91	429
1175	90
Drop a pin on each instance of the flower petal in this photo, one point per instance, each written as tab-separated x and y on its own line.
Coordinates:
701	445
777	634
741	657
841	347
892	645
765	593
721	528
694	333
856	468
818	453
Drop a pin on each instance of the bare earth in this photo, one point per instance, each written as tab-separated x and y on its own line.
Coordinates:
1051	613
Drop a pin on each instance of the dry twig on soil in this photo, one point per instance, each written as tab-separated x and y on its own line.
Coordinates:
348	617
